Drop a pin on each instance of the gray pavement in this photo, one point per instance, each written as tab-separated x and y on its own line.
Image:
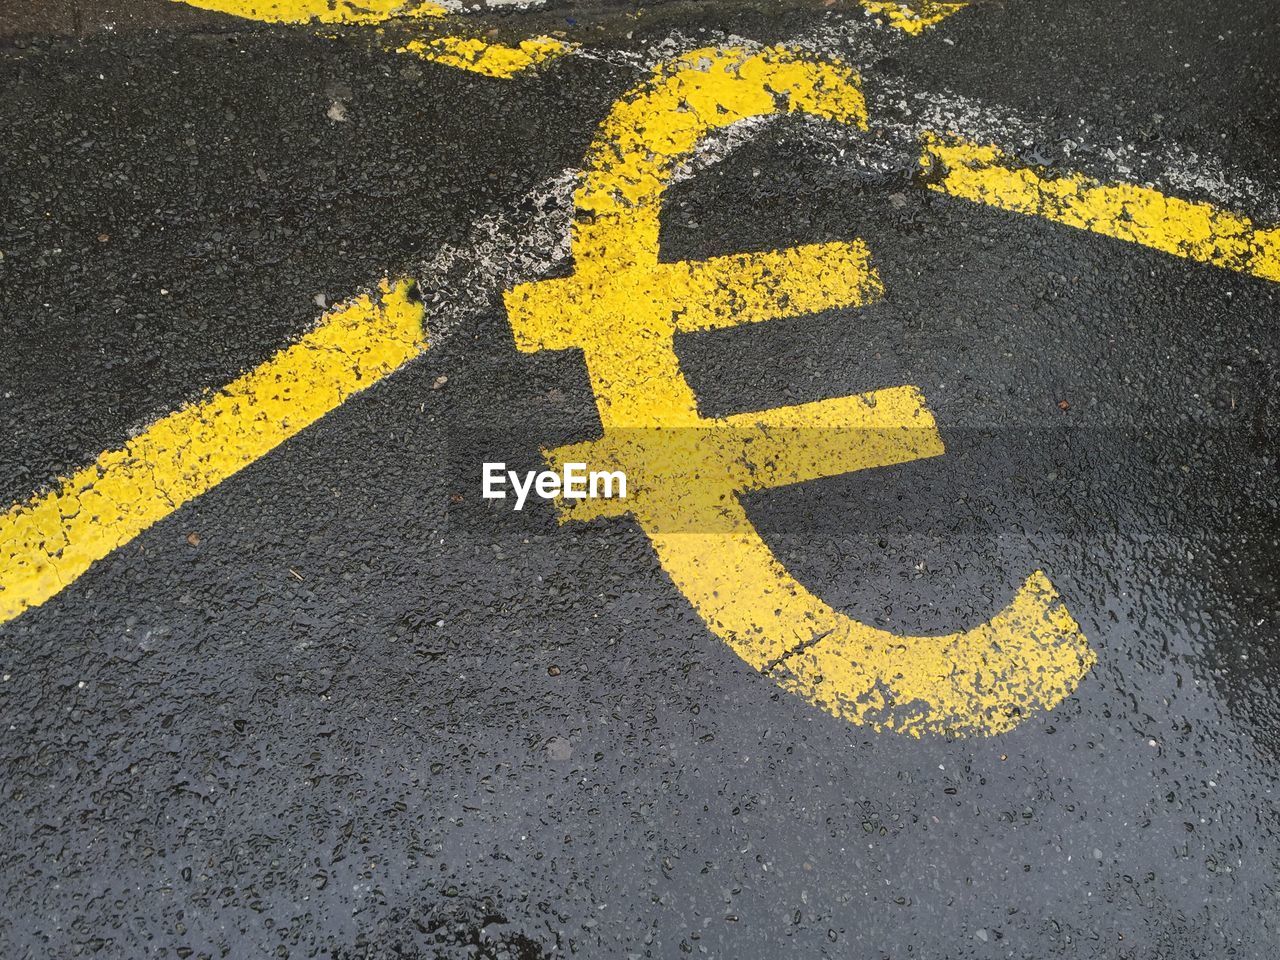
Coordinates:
342	706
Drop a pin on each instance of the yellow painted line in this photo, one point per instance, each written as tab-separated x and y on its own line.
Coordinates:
49	541
1135	214
489	58
716	293
322	11
913	18
486	57
667	469
623	308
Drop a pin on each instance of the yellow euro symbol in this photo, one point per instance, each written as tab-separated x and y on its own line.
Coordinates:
685	472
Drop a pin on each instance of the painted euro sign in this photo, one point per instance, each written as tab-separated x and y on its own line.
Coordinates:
622	308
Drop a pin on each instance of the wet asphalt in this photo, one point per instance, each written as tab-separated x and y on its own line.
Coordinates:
364	714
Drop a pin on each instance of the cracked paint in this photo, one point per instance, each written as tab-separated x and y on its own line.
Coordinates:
1124	211
322	11
913	18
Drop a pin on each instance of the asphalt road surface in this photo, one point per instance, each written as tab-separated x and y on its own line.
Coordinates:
278	681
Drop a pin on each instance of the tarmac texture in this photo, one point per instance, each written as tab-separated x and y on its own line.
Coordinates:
938	343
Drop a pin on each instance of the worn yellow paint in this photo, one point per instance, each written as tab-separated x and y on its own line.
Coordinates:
1136	214
49	541
915	17
322	11
487	57
686	472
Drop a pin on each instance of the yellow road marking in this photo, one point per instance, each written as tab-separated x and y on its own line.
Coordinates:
622	308
1141	215
487	58
49	541
322	11
915	17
